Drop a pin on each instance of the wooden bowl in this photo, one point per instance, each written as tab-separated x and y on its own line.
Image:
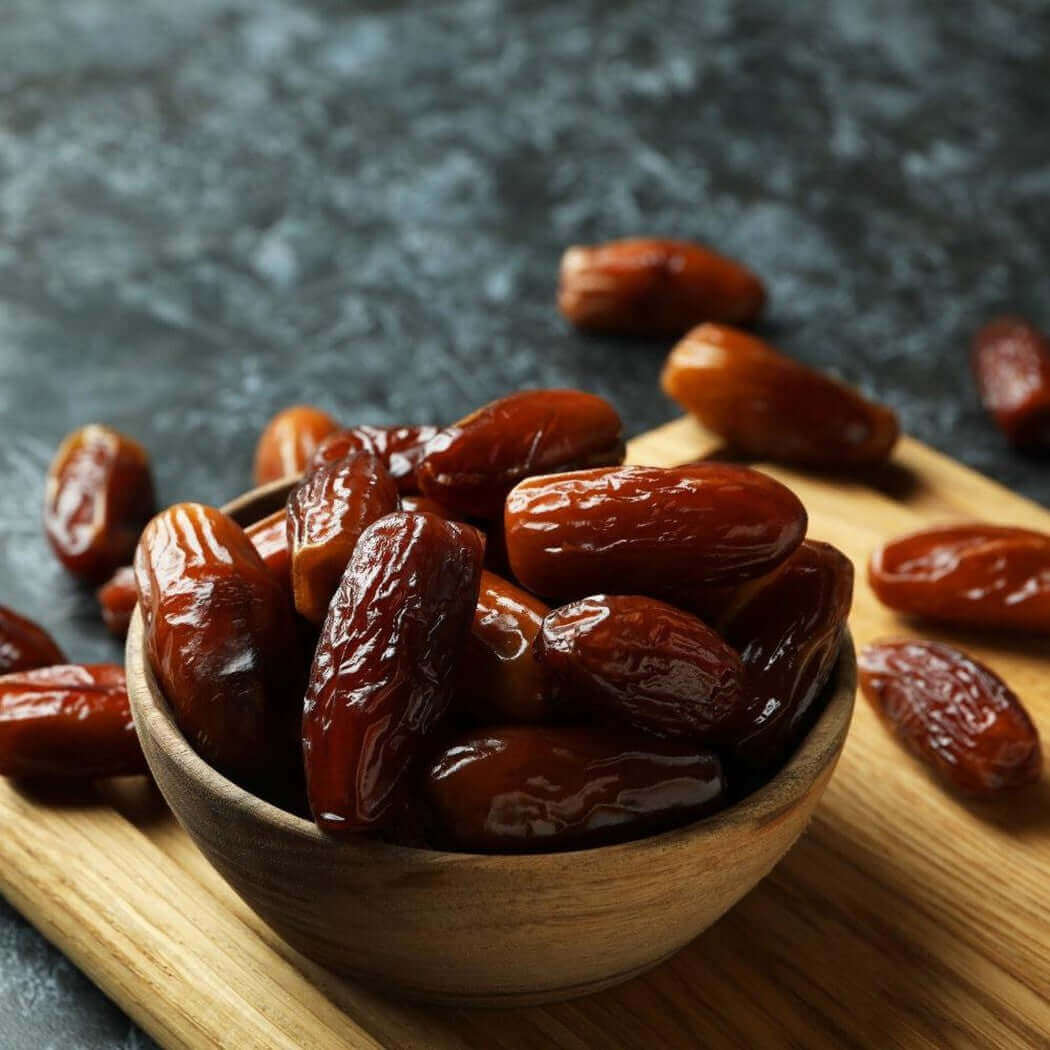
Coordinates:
471	929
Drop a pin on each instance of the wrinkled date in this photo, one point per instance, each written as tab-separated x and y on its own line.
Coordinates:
640	662
25	644
99	496
67	721
289	441
526	788
221	639
399	448
269	536
1011	363
471	466
384	669
649	530
991	576
326	515
117	599
647	286
767	406
787	628
954	713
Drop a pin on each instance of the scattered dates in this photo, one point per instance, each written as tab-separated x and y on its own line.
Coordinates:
24	644
399	448
117	599
955	714
289	441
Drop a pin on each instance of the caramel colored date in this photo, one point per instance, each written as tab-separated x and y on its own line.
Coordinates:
99	496
649	530
68	721
529	789
384	670
289	441
221	639
471	467
117	599
25	644
767	406
399	448
643	663
269	536
990	576
952	712
326	515
647	286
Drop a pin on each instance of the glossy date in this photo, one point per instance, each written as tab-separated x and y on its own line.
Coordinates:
25	644
289	441
117	599
269	536
399	448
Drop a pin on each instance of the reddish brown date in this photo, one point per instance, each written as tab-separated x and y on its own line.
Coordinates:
221	639
384	670
649	530
99	496
289	441
529	788
648	286
269	536
471	466
955	714
788	628
399	448
69	721
990	576
326	515
117	599
643	663
1011	363
767	406
25	644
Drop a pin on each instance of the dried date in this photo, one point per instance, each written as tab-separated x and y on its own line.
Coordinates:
269	536
117	599
399	448
24	644
289	441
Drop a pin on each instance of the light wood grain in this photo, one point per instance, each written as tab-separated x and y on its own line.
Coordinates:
901	918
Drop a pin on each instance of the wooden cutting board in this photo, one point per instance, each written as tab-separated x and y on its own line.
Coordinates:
902	918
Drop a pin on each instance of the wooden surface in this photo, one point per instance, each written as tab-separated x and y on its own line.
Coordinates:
902	918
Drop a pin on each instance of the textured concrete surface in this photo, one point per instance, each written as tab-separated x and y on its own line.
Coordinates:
210	209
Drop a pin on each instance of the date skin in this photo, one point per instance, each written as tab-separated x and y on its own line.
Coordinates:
650	286
221	639
99	495
987	576
326	515
269	536
117	599
639	662
788	628
289	441
470	467
1011	364
526	789
24	644
956	715
649	530
399	448
766	406
71	721
385	666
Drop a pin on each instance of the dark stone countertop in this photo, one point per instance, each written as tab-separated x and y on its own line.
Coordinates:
214	208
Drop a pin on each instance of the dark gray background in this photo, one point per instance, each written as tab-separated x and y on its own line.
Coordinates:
211	209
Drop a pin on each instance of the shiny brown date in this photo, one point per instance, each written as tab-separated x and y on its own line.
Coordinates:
649	530
25	644
327	513
471	466
117	599
99	496
955	714
384	669
221	639
648	286
1011	363
528	788
767	406
68	721
399	448
289	441
989	576
269	536
640	662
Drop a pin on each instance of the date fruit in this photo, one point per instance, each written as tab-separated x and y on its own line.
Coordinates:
470	467
221	639
988	576
645	664
529	788
399	448
117	599
24	644
269	536
289	441
68	721
385	666
952	712
99	496
649	286
327	513
649	530
767	406
1011	363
